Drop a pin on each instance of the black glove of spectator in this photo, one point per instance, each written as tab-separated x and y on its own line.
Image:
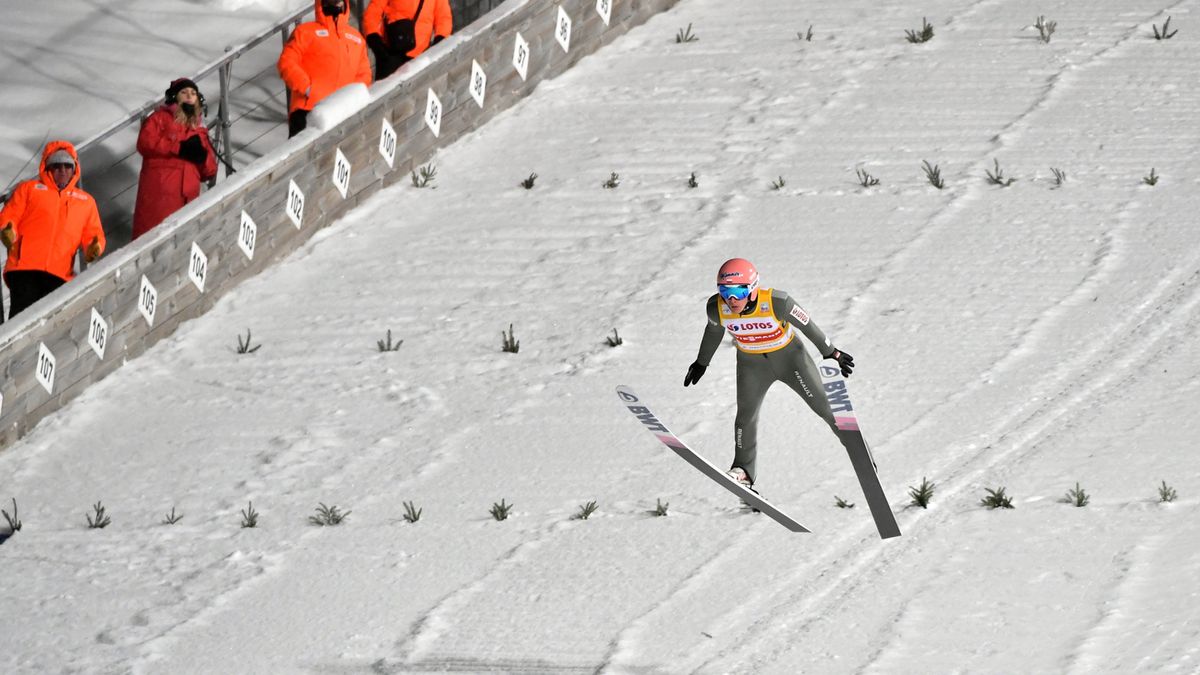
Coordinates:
845	361
437	39
193	150
375	42
695	372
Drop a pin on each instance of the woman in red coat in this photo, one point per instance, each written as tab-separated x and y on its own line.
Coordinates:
176	156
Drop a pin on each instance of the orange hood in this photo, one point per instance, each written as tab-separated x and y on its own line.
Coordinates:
51	148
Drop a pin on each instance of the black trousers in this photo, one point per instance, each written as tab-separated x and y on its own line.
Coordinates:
26	287
386	62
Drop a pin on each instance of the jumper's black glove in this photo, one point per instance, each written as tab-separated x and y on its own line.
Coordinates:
193	151
695	372
845	361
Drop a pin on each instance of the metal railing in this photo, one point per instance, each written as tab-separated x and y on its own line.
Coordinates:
223	66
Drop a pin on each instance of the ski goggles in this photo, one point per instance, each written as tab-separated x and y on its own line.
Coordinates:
733	291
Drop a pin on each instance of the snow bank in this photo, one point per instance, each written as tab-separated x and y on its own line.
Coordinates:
338	106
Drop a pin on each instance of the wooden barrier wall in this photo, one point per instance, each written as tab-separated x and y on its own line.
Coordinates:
138	295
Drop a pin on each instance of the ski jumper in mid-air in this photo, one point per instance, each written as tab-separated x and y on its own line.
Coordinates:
764	324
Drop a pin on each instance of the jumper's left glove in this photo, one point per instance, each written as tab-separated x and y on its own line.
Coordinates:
694	373
845	361
93	250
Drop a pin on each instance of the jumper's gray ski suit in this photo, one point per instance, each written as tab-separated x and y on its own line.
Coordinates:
768	351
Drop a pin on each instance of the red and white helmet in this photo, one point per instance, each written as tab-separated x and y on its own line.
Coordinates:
738	272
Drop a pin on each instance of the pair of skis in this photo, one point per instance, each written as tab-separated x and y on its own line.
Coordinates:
847	424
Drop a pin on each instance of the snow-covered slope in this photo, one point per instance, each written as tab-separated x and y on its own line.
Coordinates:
1026	337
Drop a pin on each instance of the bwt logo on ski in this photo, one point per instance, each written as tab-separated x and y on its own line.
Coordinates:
830	371
839	398
648	418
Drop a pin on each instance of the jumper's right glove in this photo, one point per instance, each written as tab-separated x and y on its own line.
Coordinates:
695	372
193	150
845	361
8	236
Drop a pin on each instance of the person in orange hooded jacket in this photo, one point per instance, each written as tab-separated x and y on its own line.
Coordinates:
388	33
43	224
321	57
176	156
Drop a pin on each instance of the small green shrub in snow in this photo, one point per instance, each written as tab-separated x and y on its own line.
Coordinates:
996	499
528	182
389	346
1164	35
1166	493
244	347
428	174
586	510
692	181
101	520
1077	496
411	513
14	521
998	178
865	179
1060	177
614	179
660	509
806	37
778	184
1045	29
328	516
922	493
685	35
933	174
924	35
501	510
510	344
249	516
615	339
171	518
1152	179
842	503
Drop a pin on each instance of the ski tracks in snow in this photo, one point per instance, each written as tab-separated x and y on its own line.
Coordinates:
1159	569
1085	373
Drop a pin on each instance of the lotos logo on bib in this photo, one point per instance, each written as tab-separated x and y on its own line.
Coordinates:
750	325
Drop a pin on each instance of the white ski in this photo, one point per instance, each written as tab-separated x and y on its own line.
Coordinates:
648	419
858	450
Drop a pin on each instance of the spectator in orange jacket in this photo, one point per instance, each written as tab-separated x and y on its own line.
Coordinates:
43	224
399	30
321	57
176	156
